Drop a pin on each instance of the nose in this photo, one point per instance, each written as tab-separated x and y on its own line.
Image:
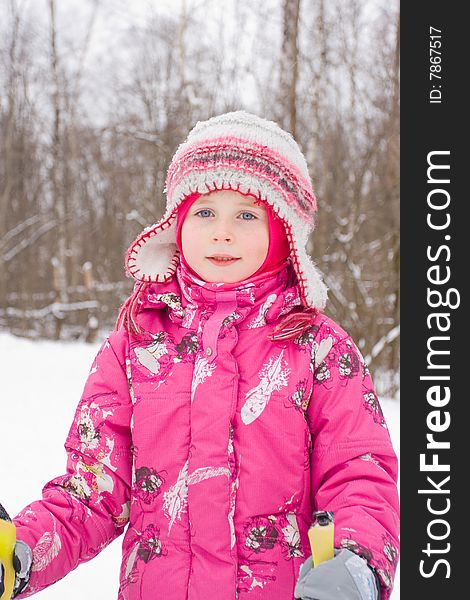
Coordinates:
222	234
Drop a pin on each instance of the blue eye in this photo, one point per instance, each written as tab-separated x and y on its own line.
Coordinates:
247	216
204	213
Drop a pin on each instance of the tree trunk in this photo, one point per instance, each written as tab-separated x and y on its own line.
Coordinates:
59	260
289	73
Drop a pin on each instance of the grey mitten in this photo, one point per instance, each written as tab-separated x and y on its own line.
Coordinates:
22	562
344	577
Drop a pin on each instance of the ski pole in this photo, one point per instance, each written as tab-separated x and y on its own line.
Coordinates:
7	549
321	537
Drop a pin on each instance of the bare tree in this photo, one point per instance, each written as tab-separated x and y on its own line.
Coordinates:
59	260
289	65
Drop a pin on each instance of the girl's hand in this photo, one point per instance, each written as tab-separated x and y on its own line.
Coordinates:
22	561
13	576
344	577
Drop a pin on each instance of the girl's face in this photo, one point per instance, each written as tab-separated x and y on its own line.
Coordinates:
225	236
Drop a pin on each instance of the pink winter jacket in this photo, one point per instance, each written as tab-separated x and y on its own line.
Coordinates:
213	445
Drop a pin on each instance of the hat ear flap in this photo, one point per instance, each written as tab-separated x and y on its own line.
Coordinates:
154	255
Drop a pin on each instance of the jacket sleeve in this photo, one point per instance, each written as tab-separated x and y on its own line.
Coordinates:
82	511
354	466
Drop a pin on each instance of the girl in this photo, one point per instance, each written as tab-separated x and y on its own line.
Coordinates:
226	407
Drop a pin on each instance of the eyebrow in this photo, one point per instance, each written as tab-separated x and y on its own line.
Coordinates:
240	203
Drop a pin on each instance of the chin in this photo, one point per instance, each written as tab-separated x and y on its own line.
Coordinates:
212	279
217	274
216	278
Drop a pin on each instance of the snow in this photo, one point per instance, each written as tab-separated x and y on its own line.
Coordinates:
42	383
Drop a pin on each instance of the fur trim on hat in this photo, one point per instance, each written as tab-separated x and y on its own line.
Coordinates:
240	152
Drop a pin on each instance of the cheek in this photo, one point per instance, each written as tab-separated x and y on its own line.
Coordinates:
259	241
189	238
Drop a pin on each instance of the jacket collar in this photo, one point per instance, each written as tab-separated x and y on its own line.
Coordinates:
266	296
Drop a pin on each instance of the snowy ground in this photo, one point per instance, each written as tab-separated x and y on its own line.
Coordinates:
41	384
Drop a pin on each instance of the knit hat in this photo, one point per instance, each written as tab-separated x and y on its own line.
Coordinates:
245	153
278	248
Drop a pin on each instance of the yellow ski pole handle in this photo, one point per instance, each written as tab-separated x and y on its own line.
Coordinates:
321	536
7	548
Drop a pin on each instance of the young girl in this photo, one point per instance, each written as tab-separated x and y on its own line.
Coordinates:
225	408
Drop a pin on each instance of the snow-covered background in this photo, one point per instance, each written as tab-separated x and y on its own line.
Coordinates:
42	382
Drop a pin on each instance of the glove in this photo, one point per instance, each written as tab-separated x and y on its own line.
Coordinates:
22	563
345	577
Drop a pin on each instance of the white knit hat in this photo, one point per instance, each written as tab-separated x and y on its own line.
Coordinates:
242	152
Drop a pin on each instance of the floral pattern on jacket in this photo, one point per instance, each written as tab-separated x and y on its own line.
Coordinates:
211	446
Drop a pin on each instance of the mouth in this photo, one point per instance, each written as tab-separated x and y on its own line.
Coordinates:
222	260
